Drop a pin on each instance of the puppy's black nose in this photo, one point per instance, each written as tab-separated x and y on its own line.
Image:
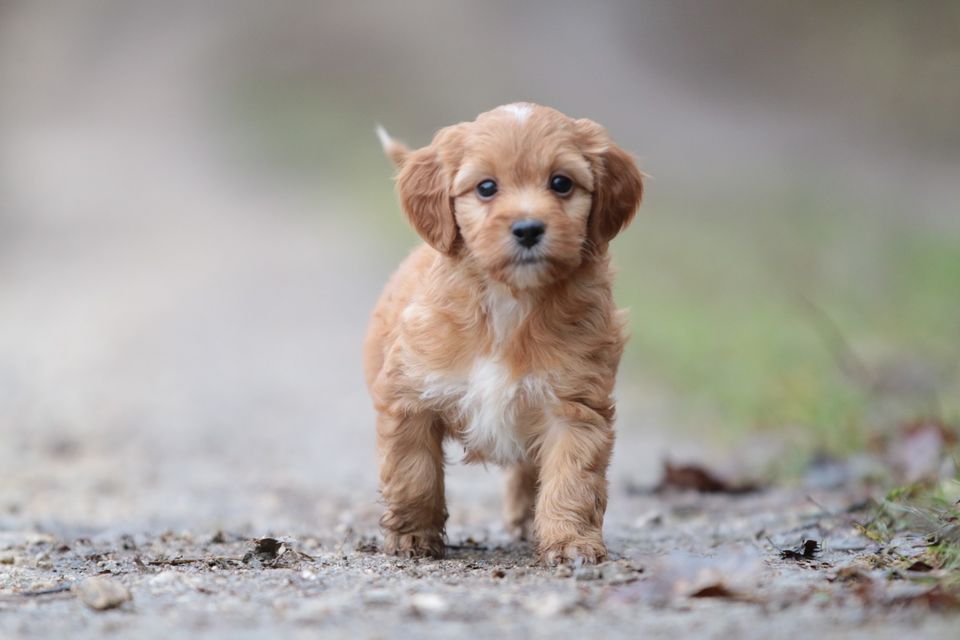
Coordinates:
528	232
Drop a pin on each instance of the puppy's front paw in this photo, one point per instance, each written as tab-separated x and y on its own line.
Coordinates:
414	545
572	551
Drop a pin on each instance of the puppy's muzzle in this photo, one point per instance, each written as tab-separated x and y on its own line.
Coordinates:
528	233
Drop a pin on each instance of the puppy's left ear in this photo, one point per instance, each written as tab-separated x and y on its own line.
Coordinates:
618	185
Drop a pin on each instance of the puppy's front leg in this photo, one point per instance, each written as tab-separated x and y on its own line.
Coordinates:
411	482
573	486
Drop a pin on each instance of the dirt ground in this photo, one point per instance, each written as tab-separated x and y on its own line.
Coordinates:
173	397
180	376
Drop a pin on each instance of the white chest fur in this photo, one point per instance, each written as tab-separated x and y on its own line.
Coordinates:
489	411
488	399
488	403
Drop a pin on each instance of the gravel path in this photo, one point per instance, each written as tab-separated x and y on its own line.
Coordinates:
180	376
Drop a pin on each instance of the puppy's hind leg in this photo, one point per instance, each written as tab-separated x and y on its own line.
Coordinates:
520	499
411	482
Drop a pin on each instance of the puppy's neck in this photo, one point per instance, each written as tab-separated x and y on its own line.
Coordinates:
505	309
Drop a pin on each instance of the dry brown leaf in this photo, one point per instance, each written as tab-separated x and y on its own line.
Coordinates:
694	477
807	550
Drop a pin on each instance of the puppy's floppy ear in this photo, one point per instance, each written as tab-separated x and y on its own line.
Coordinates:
618	184
394	149
424	187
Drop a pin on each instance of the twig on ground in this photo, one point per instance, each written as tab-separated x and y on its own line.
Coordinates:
467	547
60	588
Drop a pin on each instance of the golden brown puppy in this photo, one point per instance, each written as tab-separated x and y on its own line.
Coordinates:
501	331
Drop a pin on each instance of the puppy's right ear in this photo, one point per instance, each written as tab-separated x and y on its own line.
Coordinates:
395	150
424	187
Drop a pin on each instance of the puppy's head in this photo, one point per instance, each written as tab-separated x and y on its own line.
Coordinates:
524	192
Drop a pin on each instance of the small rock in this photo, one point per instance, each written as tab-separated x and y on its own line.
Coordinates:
552	604
311	611
563	571
165	579
621	572
587	572
101	593
428	603
648	519
7	559
377	596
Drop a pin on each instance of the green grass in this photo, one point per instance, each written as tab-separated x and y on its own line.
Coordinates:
930	510
813	316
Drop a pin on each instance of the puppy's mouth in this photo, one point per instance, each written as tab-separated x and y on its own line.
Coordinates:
528	256
529	259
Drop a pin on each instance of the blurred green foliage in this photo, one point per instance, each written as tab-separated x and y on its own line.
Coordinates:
809	314
931	509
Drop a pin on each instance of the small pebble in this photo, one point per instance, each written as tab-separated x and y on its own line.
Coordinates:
165	578
377	596
563	571
428	603
101	593
621	572
551	604
587	572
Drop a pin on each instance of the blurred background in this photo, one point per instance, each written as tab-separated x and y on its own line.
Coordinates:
196	218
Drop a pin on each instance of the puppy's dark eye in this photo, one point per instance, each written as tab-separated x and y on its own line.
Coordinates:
487	189
561	185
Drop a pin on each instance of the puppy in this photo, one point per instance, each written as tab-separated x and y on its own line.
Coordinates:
501	331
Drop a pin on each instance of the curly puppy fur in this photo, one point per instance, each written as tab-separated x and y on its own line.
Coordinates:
509	349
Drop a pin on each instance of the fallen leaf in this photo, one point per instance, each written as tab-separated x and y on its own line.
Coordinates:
274	552
269	547
920	566
734	573
718	590
807	550
692	477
